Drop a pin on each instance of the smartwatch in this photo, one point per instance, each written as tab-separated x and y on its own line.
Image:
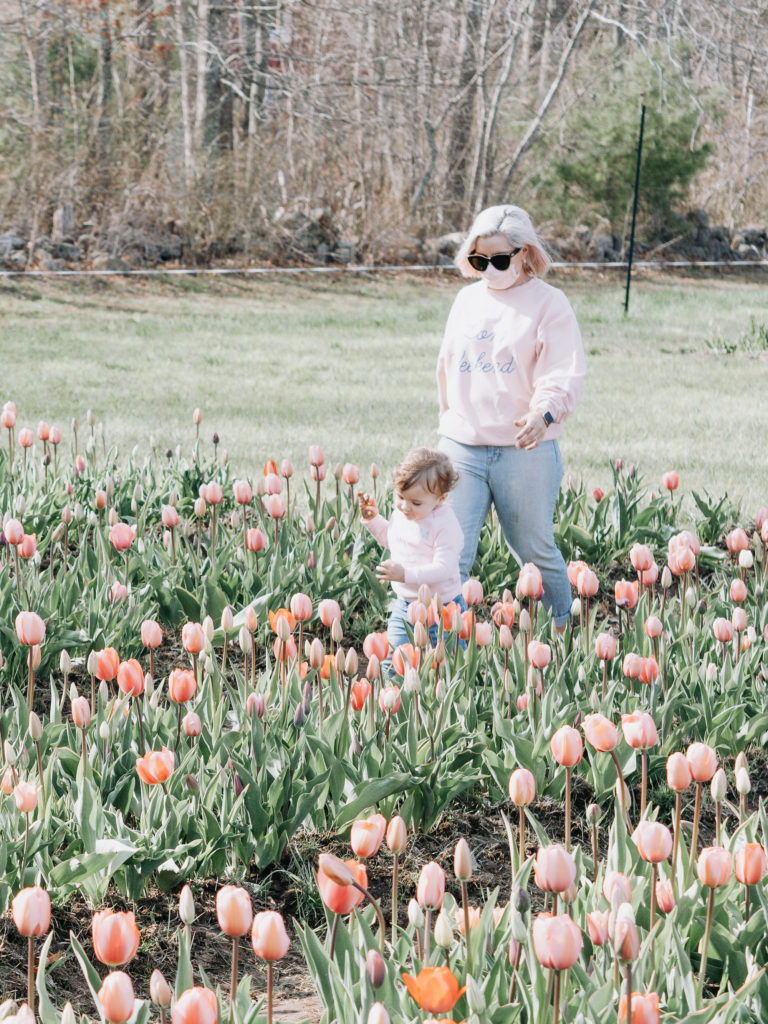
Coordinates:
548	418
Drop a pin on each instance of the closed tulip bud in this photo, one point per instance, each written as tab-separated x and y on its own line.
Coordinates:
355	745
420	635
192	785
741	760
103	692
626	936
666	577
298	715
475	998
337	633
9	753
746	559
35	727
245	640
186	906
104	731
718	786
412	680
711	673
316	654
67	1015
509	682
593	814
351	662
743	783
443	930
415	915
375	968
159	990
576	608
283	629
378	1014
340	660
462	861
397	835
440	688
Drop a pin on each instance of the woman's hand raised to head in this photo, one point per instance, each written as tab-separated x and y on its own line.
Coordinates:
533	430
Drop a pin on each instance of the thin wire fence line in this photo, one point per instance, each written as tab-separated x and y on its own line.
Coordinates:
361	269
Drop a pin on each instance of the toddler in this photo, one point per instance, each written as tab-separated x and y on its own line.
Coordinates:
423	536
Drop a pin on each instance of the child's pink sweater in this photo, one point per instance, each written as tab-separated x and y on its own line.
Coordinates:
428	549
504	353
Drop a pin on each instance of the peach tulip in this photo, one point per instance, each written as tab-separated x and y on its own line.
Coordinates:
539	654
557	941
653	841
107	664
255	540
28	545
723	630
554	869
117	998
30	629
566	746
328	610
529	582
587	583
670	480
182	685
645	1008
653	627
522	786
234	911
573	570
338	897
193	637
597	926
81	712
317	472
639	730
361	691
632	666
121	536
301	607
214	493
649	576
195	1006
626	937
739	620
25	797
31	911
118	592
714	866
26	437
115	937
268	936
641	557
737	540
702	761
625	593
430	889
600	732
243	492
750	864
679	775
405	656
275	506
376	644
130	677
397	835
169	517
483	634
367	835
155	766
738	590
14	531
617	888
605	646
503	613
435	989
191	723
665	896
472	591
151	633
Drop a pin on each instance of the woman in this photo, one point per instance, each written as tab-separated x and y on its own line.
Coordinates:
509	373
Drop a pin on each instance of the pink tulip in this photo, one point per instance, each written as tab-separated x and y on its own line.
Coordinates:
566	746
605	646
554	869
653	841
641	557
214	493
30	629
529	582
275	506
121	536
430	889
670	480
557	941
169	517
117	998
328	610
242	492
151	633
539	654
639	730
737	540
702	761
472	592
522	786
679	775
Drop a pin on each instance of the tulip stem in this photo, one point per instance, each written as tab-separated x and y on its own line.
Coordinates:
695	834
605	678
521	835
141	725
676	840
594	850
746	904
24	855
269	991
30	681
707	932
465	906
622	793
654	874
31	972
85	754
515	969
643	782
233	984
40	773
377	911
556	1013
629	991
334	929
427	934
395	864
568	809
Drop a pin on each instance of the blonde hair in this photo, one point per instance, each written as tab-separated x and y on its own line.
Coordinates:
516	226
426	466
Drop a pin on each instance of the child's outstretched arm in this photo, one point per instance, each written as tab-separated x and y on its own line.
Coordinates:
372	518
368	507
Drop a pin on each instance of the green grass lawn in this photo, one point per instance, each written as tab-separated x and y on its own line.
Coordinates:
277	364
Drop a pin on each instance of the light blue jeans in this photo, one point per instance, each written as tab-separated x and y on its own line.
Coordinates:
523	485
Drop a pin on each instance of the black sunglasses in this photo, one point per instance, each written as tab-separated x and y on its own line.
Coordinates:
499	260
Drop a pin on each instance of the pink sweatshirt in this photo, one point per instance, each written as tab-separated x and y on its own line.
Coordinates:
428	549
504	353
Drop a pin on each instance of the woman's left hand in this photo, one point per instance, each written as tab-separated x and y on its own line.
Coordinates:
533	430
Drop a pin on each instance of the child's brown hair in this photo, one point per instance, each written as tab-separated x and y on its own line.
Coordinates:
428	467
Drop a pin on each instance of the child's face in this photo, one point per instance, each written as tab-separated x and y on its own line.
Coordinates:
417	502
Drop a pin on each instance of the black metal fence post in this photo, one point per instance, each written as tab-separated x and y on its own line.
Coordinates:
634	208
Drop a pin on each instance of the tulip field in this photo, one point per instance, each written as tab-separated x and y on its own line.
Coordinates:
197	697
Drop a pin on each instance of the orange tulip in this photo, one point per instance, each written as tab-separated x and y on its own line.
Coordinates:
341	899
107	664
430	890
645	1008
702	761
639	730
751	864
26	437
567	746
435	989
557	941
554	869
115	937
234	911
405	656
195	1006
283	613
597	926
600	732
30	629
156	766
130	677
679	775
653	841
361	691
31	911
28	545
737	540
367	835
182	685
117	998
522	787
714	866
670	480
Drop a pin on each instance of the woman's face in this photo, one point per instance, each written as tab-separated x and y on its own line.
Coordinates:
491	245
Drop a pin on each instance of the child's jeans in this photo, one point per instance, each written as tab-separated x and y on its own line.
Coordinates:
396	632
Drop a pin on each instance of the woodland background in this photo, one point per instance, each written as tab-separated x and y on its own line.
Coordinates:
362	129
